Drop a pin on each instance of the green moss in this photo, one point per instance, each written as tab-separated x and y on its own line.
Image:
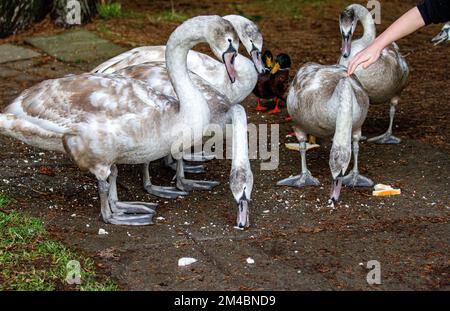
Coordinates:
31	260
109	10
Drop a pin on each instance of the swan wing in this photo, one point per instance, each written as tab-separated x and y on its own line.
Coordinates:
59	105
133	57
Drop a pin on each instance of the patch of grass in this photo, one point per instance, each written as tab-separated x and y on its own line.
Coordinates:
31	260
240	10
169	16
290	8
133	14
109	9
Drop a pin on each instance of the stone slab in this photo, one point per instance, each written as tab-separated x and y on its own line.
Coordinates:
78	46
10	53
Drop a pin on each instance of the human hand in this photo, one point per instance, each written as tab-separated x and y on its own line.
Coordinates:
366	57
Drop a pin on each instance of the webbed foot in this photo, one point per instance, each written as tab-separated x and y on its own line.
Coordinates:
302	180
190	184
385	139
356	180
193	169
130	213
165	192
198	157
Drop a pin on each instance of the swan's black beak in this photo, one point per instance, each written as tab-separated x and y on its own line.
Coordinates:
243	214
228	58
441	37
336	186
346	46
256	58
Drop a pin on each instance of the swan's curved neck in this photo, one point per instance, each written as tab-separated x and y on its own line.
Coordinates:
366	19
246	79
341	147
240	139
193	106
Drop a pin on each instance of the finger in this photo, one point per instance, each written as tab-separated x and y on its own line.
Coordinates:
368	63
353	65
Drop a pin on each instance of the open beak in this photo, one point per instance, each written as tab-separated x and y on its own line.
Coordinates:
243	214
275	68
228	58
346	46
441	37
256	58
336	189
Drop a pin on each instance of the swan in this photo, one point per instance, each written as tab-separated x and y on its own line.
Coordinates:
325	102
442	36
205	66
221	114
103	120
385	79
148	64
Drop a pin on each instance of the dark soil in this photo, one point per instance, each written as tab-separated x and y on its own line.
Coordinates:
300	243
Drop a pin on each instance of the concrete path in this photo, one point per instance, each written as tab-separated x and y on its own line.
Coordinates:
10	52
76	46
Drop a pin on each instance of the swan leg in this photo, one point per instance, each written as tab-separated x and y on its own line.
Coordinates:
126	207
305	178
387	138
117	216
193	169
159	191
189	184
354	179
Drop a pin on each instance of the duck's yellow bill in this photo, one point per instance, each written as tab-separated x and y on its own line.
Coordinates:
275	68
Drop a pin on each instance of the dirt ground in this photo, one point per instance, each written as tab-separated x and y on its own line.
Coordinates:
297	242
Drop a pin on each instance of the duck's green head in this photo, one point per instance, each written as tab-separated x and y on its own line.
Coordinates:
267	59
283	61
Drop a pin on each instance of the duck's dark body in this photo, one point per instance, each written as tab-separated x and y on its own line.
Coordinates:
270	86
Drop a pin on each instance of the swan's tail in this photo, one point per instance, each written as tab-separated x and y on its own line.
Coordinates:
341	149
30	133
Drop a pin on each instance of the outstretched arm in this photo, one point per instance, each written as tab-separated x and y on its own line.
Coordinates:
405	25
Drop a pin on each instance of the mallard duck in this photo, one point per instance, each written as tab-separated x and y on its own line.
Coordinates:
274	82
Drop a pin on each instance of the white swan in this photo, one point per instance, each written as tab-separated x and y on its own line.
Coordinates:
104	120
443	35
386	78
323	101
221	114
203	65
